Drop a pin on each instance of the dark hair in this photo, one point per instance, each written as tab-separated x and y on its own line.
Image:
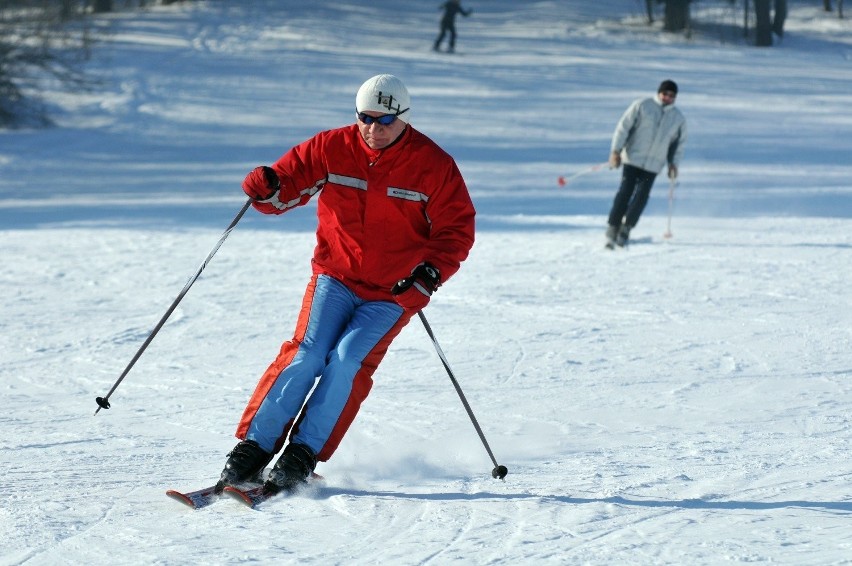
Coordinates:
668	85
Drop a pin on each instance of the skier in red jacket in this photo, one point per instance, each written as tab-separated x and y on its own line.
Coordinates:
392	206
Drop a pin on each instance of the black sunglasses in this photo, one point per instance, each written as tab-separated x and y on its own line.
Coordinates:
384	119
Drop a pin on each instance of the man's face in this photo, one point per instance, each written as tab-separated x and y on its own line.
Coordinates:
377	135
667	97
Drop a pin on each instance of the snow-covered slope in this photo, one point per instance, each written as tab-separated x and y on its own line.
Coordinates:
686	401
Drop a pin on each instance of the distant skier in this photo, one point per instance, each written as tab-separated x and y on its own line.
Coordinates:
448	23
650	134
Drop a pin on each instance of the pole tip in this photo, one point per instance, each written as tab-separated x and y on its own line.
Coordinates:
102	402
499	472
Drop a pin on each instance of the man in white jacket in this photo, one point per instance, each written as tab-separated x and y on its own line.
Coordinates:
650	135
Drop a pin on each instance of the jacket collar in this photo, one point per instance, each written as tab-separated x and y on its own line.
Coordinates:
375	154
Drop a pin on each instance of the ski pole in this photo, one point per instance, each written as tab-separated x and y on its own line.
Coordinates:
562	181
672	185
499	472
103	402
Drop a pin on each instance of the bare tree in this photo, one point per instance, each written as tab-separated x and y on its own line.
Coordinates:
676	15
769	19
763	22
779	16
827	5
36	43
102	6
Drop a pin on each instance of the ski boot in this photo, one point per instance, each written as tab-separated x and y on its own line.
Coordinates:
611	235
245	463
291	470
623	236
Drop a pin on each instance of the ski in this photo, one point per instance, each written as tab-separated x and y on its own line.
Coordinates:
203	497
250	493
251	497
196	499
254	496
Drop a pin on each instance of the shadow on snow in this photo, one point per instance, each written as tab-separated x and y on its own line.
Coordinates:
844	506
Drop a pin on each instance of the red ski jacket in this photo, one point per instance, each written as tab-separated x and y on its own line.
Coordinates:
381	212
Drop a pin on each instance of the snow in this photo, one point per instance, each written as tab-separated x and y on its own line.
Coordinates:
684	401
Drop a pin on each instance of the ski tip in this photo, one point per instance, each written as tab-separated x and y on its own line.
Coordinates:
195	499
178	496
249	498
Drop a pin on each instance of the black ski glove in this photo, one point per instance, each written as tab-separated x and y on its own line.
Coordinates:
413	292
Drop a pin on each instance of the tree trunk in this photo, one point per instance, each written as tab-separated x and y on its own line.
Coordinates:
779	16
763	23
66	10
827	5
102	6
649	6
677	15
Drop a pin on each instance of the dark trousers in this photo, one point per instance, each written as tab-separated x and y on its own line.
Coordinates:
444	29
632	196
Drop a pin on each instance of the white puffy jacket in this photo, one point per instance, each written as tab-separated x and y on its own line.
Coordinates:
650	135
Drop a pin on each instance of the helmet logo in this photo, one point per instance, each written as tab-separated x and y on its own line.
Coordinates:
387	100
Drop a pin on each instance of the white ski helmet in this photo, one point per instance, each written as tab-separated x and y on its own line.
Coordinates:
385	94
